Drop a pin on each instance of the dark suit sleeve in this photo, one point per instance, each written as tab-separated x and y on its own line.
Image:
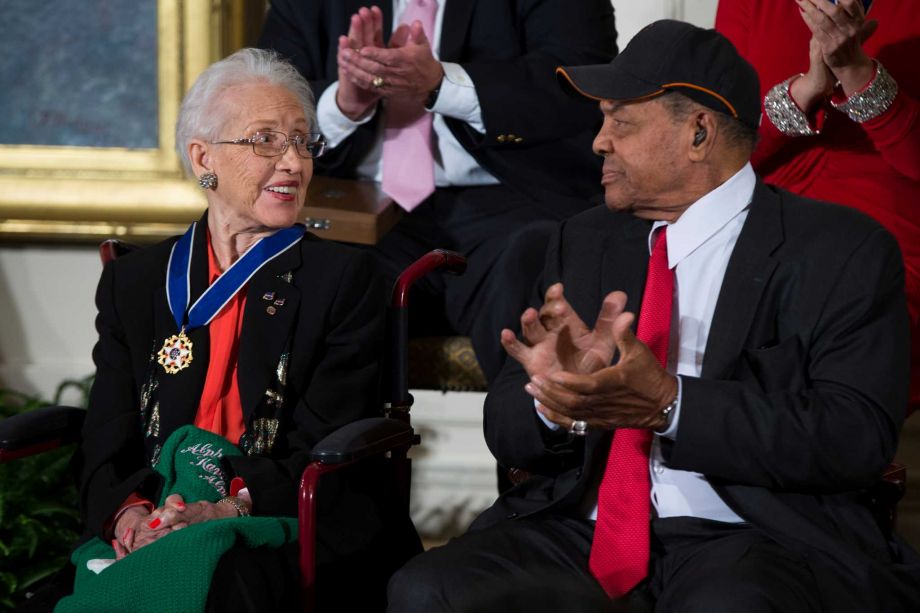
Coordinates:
818	411
519	94
342	386
515	434
111	460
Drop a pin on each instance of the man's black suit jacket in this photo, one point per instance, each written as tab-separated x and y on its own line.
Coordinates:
327	323
510	49
801	398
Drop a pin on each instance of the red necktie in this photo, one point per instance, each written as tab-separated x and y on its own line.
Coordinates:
620	550
408	157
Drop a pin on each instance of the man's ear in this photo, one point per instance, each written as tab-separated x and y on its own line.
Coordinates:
198	155
702	134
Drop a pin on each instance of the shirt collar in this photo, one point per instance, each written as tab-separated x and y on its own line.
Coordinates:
705	217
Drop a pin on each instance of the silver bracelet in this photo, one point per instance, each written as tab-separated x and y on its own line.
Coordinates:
236	503
784	113
871	101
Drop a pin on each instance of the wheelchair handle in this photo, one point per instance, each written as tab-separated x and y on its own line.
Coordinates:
450	261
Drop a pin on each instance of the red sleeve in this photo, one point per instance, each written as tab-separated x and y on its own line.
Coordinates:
733	19
134	500
896	135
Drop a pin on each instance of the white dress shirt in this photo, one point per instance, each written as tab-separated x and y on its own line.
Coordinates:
453	165
700	243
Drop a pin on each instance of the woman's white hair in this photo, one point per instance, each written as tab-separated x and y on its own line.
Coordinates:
197	116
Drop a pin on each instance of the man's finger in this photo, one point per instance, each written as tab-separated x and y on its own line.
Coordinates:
417	33
531	327
556	312
607	330
384	57
399	37
377	16
515	348
367	26
560	398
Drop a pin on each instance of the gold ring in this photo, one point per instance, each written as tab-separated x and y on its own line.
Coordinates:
377	82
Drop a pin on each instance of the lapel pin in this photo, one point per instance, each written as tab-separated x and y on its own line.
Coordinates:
279	302
268	296
271	310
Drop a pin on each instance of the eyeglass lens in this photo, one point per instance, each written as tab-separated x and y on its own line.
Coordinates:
270	143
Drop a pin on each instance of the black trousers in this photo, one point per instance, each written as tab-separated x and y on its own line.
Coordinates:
541	564
504	236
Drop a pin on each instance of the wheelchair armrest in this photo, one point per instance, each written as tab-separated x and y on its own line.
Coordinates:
363	438
39	430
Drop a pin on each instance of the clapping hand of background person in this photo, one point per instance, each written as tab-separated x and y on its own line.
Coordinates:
369	70
835	50
356	94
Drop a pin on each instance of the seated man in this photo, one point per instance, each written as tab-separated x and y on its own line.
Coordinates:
758	399
459	119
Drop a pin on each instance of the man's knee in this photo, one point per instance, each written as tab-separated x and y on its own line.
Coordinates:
417	586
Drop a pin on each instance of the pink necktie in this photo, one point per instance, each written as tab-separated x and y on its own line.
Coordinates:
620	550
408	160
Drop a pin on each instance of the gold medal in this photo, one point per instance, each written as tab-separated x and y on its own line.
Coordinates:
176	353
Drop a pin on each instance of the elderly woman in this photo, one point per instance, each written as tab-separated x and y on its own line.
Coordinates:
249	329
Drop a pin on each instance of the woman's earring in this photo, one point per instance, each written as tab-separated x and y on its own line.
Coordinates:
208	180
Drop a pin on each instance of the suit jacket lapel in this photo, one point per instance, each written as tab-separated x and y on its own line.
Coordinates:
454	26
265	333
749	270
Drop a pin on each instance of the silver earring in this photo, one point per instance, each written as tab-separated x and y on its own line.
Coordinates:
208	180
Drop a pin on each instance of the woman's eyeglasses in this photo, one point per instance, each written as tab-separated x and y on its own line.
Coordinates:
269	143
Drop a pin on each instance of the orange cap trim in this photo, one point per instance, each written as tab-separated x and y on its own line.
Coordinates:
707	91
561	70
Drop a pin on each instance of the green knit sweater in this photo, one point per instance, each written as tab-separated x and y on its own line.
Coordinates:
174	572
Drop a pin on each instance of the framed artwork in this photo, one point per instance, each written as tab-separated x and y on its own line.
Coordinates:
91	91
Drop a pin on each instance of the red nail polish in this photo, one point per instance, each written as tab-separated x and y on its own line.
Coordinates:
154	523
114	543
180	506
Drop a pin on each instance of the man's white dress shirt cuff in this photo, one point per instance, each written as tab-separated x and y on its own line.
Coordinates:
671	431
334	125
458	97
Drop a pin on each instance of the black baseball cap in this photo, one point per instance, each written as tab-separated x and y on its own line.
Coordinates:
670	55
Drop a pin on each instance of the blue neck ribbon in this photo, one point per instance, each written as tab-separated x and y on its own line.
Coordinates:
209	304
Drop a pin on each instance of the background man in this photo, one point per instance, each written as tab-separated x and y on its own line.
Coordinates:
756	402
473	80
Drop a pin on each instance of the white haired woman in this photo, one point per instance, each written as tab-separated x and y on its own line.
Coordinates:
224	355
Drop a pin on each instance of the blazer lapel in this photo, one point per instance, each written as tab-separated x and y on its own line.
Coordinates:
272	304
749	270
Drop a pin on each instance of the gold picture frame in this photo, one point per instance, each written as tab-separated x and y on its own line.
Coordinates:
80	194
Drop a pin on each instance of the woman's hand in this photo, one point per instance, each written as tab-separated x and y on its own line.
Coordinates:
816	84
175	514
132	531
839	31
